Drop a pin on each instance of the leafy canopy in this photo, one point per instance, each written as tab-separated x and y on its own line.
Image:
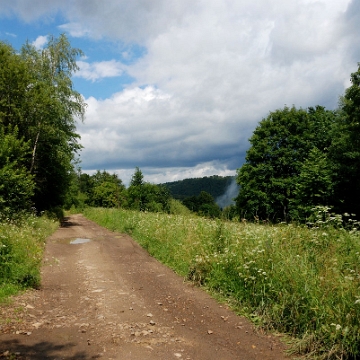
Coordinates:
274	169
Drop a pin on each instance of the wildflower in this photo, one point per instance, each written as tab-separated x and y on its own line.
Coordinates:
337	326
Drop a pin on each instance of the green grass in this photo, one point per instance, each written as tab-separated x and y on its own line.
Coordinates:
299	281
21	250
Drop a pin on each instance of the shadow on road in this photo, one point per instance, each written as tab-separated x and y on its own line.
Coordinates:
15	350
66	223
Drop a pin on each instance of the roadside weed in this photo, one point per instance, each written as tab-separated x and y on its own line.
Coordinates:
21	250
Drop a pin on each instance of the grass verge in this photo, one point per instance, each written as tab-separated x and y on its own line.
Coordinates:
299	281
21	250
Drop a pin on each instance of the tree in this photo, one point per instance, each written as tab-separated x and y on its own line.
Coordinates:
138	178
203	205
143	196
135	192
48	119
107	190
279	146
16	183
314	185
37	98
14	80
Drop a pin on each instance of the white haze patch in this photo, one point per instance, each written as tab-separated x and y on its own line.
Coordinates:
227	198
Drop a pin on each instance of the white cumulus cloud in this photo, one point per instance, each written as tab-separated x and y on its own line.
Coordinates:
98	70
40	42
75	29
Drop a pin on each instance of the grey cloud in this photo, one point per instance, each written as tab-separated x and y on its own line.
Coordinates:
351	29
130	21
30	11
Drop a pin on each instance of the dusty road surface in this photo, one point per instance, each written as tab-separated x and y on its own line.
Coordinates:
107	298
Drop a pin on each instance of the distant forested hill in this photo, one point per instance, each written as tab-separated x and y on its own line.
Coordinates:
214	185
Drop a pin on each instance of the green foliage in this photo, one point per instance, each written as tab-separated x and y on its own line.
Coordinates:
106	191
143	196
16	184
37	99
101	189
298	280
345	149
21	250
74	197
51	112
314	185
203	205
230	213
138	178
14	79
278	169
176	207
300	159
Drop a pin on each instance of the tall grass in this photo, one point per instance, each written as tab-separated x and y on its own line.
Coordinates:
299	281
21	250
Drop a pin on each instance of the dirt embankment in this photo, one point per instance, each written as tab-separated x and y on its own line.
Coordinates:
107	298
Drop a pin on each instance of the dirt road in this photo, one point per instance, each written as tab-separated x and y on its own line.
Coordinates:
107	298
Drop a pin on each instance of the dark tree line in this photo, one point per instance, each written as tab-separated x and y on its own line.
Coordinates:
106	190
103	189
203	204
214	185
303	158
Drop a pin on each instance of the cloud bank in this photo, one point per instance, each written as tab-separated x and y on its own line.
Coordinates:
209	72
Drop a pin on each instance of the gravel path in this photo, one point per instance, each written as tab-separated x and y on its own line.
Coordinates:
107	298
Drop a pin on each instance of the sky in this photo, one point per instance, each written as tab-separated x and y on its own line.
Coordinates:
177	87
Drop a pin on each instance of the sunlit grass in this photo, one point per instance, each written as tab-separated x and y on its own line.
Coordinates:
21	250
299	281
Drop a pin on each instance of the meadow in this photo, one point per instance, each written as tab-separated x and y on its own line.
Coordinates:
22	244
302	281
